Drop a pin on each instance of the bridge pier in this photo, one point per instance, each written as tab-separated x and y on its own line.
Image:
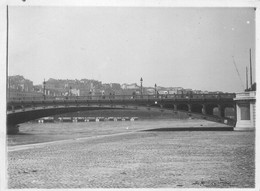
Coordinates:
220	111
13	109
189	108
204	109
175	107
245	107
12	129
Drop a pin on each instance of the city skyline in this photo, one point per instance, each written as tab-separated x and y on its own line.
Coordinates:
158	87
197	48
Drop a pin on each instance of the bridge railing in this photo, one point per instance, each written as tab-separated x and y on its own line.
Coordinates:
125	97
246	94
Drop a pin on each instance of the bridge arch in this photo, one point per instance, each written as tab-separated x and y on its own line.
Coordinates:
228	110
17	107
197	108
28	106
9	107
183	107
169	106
212	109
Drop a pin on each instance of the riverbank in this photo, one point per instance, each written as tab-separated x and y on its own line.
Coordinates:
140	159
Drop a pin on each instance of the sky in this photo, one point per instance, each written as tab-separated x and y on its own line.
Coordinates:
197	48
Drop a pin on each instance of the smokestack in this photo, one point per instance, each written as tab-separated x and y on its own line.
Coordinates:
251	81
246	78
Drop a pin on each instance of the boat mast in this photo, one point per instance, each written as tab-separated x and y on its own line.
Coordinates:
251	80
246	78
7	54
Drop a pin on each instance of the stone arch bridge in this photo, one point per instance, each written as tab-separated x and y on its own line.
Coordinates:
210	107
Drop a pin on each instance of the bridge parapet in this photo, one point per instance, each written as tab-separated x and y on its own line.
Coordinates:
245	95
129	97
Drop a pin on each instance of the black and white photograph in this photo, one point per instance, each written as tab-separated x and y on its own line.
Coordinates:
133	94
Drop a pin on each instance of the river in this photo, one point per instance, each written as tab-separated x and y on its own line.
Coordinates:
46	132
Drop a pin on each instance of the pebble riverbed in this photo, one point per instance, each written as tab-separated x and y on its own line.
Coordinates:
138	159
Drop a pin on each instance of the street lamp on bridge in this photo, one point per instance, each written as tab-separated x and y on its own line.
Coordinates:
70	92
44	84
141	80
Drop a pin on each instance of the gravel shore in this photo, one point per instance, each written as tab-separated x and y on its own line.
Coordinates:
154	159
31	133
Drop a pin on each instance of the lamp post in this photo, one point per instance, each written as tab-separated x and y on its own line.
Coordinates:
44	84
141	80
70	91
155	86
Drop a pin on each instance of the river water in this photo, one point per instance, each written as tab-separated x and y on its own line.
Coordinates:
45	132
